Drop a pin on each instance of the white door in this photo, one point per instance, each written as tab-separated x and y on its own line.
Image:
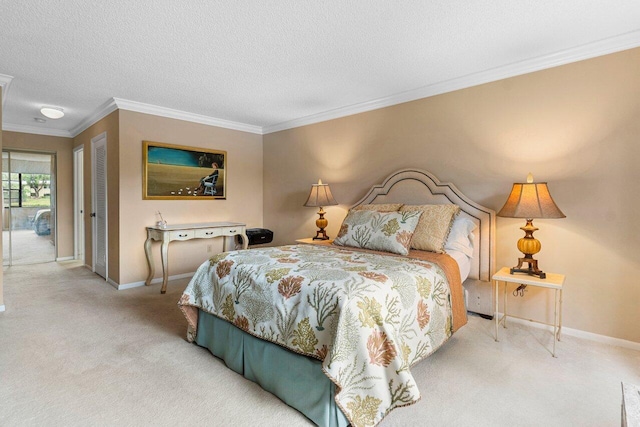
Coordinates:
99	203
78	204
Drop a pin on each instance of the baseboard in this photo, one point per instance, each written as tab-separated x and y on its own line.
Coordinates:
153	281
112	283
603	339
65	258
2	308
129	285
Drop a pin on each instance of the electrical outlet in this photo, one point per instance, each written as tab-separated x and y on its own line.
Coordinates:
209	248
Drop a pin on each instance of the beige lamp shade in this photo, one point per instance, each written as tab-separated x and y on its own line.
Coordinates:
530	200
320	195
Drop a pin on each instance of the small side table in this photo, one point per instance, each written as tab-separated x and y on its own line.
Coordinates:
311	241
552	281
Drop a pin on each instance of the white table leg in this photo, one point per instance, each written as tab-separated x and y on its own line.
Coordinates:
555	322
147	251
504	315
495	314
245	240
560	323
165	263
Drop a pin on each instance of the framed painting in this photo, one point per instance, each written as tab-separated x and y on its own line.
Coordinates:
176	172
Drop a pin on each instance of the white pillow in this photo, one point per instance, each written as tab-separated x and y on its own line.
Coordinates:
461	236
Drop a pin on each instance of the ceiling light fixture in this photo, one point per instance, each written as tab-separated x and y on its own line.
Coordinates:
52	112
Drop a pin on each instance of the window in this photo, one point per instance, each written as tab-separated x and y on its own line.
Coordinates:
26	189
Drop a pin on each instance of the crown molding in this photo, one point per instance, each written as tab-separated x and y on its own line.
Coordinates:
5	84
602	47
123	104
11	127
100	113
170	113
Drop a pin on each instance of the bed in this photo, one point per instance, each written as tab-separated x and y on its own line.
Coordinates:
334	330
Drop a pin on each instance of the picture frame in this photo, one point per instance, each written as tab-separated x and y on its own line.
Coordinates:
177	172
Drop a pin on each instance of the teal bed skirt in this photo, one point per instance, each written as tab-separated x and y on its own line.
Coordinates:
297	380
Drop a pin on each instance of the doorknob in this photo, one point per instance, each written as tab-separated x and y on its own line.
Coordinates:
92	214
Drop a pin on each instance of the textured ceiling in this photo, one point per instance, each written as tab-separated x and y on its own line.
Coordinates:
270	64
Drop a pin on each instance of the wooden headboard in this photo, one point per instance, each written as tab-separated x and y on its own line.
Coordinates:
418	187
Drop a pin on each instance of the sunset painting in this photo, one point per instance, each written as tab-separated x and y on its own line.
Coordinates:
179	172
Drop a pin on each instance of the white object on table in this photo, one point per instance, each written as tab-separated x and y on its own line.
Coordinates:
169	233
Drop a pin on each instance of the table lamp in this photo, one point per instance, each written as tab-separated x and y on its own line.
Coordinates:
320	196
530	200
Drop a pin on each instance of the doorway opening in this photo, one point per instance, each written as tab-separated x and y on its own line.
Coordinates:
29	207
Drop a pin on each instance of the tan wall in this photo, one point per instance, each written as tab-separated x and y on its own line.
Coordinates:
575	126
110	125
63	148
244	191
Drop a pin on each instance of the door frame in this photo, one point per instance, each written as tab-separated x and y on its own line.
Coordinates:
78	204
53	203
99	139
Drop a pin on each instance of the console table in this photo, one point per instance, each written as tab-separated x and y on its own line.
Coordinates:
170	233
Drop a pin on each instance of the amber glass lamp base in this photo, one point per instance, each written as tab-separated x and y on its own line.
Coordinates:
321	223
529	246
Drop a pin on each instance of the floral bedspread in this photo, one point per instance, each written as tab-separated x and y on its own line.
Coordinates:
369	317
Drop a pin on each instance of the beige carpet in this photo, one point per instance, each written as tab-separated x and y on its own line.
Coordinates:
27	248
76	352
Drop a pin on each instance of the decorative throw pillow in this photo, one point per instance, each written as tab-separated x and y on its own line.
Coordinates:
380	231
383	207
434	226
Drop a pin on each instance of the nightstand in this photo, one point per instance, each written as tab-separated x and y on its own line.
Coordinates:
552	281
310	241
